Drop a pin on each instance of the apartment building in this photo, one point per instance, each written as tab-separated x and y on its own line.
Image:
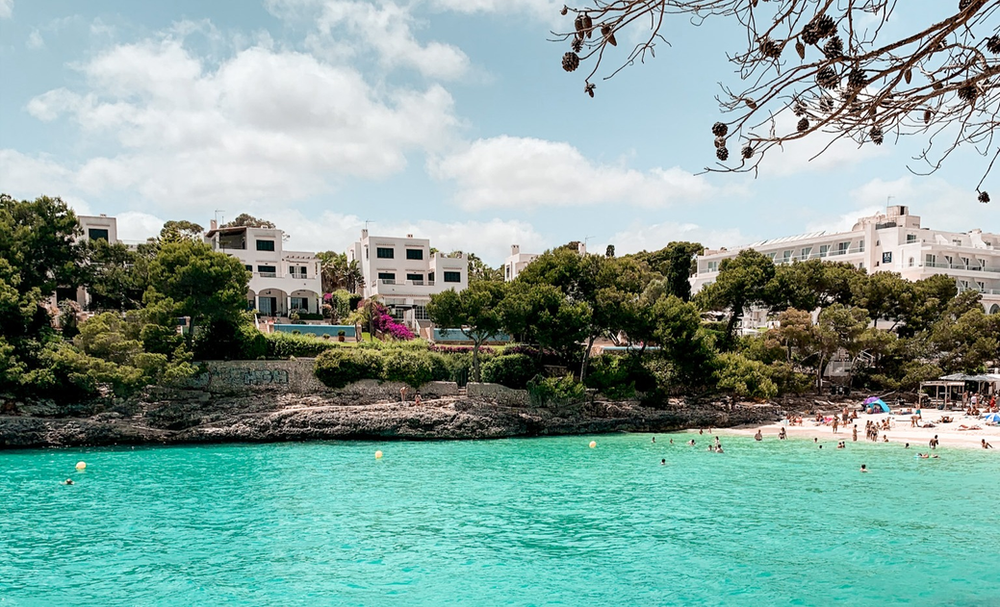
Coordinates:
404	273
92	227
281	281
516	262
893	241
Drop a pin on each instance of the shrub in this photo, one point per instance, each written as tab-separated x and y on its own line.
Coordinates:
613	376
745	377
227	340
511	370
556	390
340	333
413	368
338	367
284	345
310	316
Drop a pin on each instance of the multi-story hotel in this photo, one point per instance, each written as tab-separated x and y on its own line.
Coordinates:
889	242
404	273
281	281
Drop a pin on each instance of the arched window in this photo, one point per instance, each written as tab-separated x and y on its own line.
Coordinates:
995	309
911	262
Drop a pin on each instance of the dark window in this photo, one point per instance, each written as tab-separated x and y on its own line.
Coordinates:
267	270
249	268
887	257
96	234
453	277
384	252
430	277
414	253
415	277
265	245
387	276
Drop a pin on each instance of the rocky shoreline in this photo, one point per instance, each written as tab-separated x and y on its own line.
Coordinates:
296	417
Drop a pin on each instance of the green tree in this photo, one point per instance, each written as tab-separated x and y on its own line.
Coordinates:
676	262
967	339
117	276
542	314
39	239
682	341
338	273
478	270
174	230
246	220
476	311
742	283
207	286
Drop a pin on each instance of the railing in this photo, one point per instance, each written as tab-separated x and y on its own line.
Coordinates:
267	274
301	275
957	266
978	290
414	283
817	255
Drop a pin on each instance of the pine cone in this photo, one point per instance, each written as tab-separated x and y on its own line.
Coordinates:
578	25
927	116
826	103
747	151
810	35
609	35
719	129
856	80
565	9
984	197
800	49
577	45
588	24
589	89
964	4
722	154
834	48
799	109
803	125
770	48
720	142
907	76
993	44
876	135
824	26
571	61
968	92
828	78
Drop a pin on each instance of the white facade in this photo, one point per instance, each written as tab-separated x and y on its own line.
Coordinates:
890	242
281	281
404	273
98	226
516	262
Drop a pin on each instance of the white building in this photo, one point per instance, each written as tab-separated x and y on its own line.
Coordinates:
99	227
404	273
889	242
281	281
516	262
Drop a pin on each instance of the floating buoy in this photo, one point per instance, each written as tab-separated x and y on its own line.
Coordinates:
378	455
593	444
81	465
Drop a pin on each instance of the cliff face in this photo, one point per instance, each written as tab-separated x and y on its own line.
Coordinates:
268	418
258	401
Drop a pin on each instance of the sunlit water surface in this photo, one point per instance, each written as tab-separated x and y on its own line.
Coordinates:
512	522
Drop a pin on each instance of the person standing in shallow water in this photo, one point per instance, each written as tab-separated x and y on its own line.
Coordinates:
758	437
854	434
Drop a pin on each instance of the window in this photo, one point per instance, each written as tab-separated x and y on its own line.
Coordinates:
388	278
843	247
268	271
824	250
911	238
385	252
265	245
713	266
770	256
420	313
414	253
956	242
861	246
965	261
930	260
430	278
298	271
300	303
417	279
786	256
911	262
97	234
805	252
366	252
453	277
887	257
249	268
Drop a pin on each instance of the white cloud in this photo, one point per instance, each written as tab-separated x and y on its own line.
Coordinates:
25	176
35	40
657	236
808	154
264	125
385	27
6	9
941	205
518	172
545	9
134	226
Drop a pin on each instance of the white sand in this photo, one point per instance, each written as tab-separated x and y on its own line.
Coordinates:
900	432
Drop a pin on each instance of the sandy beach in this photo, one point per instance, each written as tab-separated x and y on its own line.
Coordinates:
899	433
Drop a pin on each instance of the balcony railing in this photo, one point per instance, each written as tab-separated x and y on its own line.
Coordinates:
978	290
958	266
267	274
413	283
301	275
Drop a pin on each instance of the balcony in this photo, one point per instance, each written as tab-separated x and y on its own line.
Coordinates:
299	275
956	266
978	290
267	274
405	283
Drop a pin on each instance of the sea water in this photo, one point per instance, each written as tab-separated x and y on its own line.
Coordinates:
547	521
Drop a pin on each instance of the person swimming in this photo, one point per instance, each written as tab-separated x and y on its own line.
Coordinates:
68	481
691	442
654	439
758	437
663	462
864	468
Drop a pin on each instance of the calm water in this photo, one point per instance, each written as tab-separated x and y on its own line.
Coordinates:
513	522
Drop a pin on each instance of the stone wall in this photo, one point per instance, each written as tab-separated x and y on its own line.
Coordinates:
501	395
256	376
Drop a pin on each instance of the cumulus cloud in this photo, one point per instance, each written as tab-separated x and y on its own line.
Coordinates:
817	152
6	9
263	125
520	172
385	28
940	204
35	40
545	9
656	236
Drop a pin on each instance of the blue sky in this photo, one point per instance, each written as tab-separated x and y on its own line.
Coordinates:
447	119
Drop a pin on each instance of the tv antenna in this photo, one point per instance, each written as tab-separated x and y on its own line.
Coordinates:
217	220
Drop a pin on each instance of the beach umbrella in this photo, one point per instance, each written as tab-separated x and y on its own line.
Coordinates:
872	399
992	418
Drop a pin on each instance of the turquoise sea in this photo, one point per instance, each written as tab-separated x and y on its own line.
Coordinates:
545	521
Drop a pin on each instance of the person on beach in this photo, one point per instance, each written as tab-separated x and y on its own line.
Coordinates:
402	394
781	433
758	437
986	445
836	424
416	398
934	442
864	468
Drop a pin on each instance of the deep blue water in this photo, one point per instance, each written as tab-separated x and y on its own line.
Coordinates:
512	522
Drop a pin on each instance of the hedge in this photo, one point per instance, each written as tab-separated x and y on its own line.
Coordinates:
338	367
511	370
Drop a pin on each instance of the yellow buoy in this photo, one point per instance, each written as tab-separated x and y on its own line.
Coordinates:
81	465
378	455
593	444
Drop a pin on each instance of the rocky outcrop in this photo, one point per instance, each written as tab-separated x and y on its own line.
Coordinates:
193	416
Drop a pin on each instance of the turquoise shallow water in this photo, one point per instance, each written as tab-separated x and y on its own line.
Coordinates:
512	522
